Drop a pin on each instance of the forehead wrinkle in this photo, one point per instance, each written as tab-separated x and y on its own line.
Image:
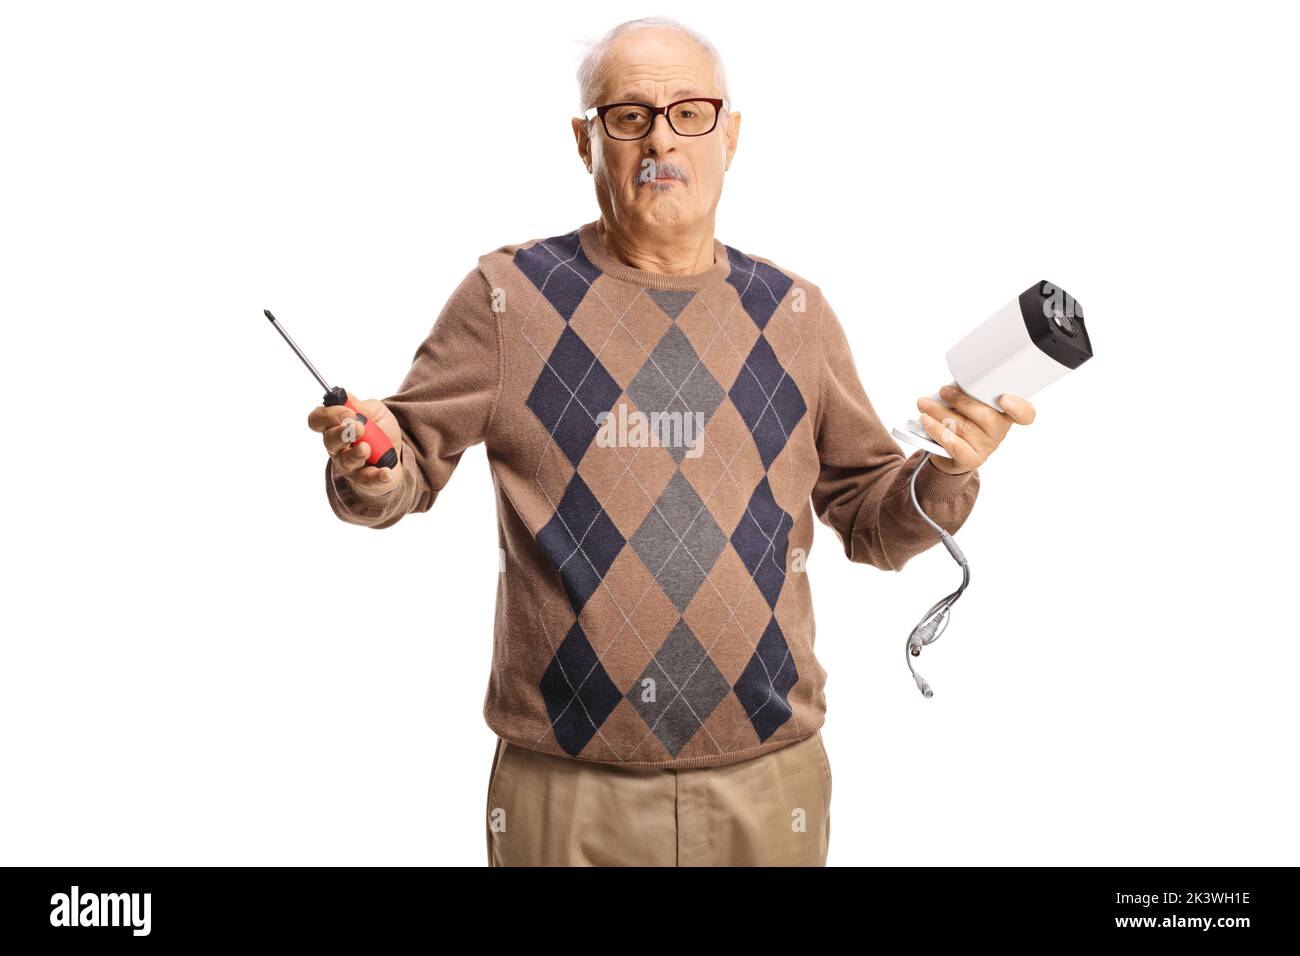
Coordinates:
628	76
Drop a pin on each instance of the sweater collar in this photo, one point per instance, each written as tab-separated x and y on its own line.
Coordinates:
601	258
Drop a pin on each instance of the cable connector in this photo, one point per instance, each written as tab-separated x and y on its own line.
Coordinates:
924	634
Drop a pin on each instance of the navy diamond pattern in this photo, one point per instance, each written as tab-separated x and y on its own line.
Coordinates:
761	287
572	390
581	542
764	685
560	270
575	717
768	400
762	539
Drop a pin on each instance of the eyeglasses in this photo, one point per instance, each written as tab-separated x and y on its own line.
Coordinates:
694	117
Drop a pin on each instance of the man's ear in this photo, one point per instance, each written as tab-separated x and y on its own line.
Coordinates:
733	137
584	141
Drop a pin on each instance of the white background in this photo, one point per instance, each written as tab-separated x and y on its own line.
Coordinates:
202	665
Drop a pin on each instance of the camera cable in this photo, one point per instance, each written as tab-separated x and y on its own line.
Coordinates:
929	629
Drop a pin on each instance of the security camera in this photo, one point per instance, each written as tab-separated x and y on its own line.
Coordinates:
1028	343
1024	346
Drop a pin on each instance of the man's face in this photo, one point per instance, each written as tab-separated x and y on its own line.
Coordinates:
664	179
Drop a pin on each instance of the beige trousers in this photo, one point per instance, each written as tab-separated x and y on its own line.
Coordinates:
770	810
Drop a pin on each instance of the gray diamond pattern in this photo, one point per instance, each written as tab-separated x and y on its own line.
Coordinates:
687	686
672	301
674	380
679	541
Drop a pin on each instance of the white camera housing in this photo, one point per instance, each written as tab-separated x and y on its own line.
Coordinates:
1024	346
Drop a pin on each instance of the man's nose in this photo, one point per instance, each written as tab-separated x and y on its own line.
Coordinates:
661	136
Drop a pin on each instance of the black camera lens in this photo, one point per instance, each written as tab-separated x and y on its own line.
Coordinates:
1063	321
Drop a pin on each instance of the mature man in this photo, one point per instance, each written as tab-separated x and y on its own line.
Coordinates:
662	413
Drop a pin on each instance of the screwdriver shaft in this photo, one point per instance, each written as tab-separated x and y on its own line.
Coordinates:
297	351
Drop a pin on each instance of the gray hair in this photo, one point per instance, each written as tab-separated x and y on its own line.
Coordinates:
589	70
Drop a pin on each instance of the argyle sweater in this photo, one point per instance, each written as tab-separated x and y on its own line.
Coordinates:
658	445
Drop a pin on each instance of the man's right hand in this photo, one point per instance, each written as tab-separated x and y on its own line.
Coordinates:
341	432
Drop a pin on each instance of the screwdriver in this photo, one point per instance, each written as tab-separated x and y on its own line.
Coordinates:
382	453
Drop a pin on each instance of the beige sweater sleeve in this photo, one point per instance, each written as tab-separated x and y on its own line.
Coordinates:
444	405
862	488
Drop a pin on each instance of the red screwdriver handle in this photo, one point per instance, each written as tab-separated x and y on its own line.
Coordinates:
382	452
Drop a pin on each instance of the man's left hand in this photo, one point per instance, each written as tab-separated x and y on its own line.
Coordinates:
970	431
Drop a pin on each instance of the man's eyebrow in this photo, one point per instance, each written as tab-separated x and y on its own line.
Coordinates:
636	96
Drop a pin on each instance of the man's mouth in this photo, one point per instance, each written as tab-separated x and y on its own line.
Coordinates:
663	178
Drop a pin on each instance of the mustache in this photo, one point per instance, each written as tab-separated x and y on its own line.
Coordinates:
652	171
